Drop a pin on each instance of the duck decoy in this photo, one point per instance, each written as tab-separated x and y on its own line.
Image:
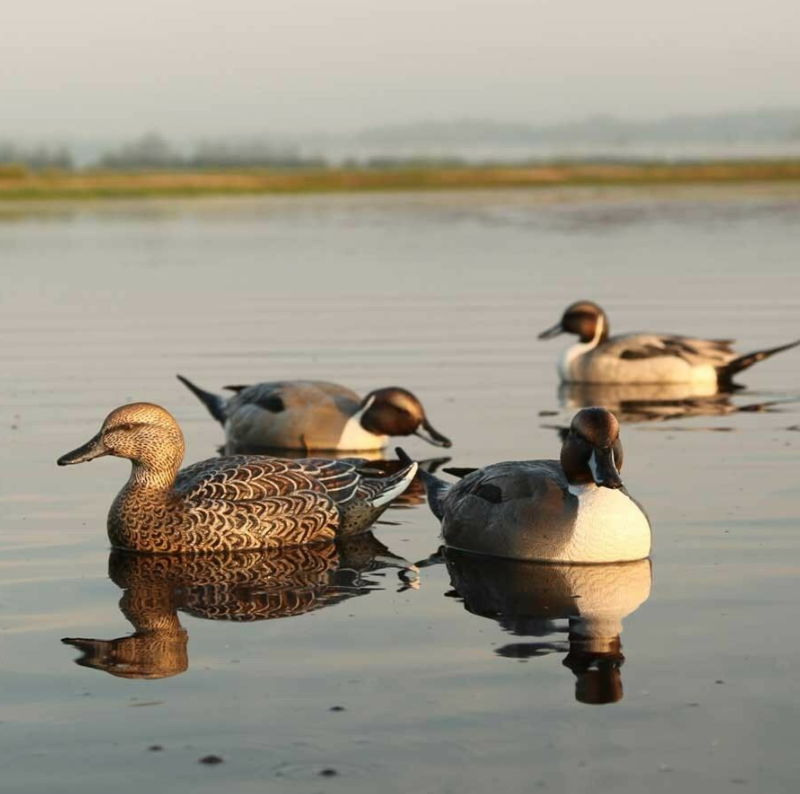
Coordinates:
646	357
315	415
573	510
227	503
242	587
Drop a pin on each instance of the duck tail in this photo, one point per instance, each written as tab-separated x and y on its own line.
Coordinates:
395	485
214	403
435	488
730	369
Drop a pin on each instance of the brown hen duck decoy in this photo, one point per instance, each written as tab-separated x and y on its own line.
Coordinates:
229	503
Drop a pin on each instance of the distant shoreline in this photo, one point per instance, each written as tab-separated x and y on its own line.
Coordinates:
19	184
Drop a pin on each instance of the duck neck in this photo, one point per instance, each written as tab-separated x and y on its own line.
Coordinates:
600	335
574	353
155	470
151	479
152	609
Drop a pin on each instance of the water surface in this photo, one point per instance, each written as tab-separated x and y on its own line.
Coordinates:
350	676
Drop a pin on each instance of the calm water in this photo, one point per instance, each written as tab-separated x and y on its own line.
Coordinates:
470	678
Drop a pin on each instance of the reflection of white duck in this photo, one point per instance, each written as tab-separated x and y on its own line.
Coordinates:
645	357
530	599
656	402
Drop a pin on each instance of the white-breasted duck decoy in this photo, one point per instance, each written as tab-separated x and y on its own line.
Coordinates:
228	503
573	510
645	357
315	415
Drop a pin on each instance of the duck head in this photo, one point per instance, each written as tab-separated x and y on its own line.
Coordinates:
592	450
585	319
397	412
142	432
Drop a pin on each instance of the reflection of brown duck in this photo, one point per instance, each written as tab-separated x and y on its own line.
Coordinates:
241	586
527	599
656	402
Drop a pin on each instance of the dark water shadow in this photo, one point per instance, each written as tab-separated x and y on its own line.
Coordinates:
575	610
236	586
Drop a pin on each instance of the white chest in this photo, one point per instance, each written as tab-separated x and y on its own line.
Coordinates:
569	359
609	527
355	438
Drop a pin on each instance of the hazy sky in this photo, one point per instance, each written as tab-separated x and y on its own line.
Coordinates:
189	67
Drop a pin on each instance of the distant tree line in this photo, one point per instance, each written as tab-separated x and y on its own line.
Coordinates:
152	151
37	158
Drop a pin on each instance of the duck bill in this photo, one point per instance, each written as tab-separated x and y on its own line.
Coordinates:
604	470
431	435
94	448
550	333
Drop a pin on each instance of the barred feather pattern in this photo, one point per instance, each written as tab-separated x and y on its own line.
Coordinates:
245	502
231	503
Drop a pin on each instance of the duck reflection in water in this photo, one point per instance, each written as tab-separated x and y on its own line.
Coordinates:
236	586
534	599
659	402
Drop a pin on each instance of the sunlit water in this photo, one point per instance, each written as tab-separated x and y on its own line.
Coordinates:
347	674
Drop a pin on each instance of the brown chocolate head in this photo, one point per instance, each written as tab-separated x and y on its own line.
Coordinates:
592	450
397	412
585	319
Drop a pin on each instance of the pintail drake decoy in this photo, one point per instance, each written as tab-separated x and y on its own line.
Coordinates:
645	357
316	415
228	503
574	510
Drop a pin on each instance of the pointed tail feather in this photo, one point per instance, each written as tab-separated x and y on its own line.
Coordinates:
435	488
214	403
395	485
459	471
727	372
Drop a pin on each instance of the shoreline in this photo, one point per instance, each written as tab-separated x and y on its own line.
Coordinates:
247	182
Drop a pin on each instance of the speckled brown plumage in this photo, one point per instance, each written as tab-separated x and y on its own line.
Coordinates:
231	503
233	586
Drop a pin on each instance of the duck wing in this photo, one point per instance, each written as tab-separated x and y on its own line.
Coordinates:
278	396
245	478
716	352
246	501
509	481
514	509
